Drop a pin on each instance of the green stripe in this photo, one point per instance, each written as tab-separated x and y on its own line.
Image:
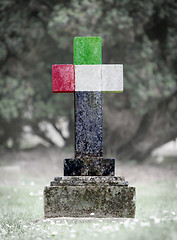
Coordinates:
87	50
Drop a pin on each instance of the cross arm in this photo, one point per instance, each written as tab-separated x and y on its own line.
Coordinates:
72	78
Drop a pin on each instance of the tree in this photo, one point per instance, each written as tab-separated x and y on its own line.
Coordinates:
141	35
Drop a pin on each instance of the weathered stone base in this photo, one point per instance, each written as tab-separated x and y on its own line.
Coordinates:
89	197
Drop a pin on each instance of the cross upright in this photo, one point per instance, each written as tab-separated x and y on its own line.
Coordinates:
87	78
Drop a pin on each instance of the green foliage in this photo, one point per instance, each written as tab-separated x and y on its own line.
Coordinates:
15	95
126	29
36	34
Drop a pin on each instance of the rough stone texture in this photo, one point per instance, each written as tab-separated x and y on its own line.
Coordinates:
88	124
95	220
89	180
88	105
92	199
89	167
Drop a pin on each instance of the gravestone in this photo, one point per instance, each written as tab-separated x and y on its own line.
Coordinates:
89	187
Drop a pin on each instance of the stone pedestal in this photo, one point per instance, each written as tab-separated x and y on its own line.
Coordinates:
89	196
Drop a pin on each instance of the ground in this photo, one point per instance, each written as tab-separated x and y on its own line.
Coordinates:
23	176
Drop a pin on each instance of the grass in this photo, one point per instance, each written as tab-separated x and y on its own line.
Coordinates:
21	206
21	216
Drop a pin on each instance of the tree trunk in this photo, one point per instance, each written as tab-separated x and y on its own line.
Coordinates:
156	127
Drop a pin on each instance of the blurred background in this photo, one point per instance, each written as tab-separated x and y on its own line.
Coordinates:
139	34
37	126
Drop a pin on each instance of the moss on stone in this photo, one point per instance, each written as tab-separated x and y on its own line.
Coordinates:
81	201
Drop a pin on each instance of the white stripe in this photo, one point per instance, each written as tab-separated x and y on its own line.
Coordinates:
106	77
112	77
87	77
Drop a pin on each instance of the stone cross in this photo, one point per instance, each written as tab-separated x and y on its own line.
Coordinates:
87	78
88	187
